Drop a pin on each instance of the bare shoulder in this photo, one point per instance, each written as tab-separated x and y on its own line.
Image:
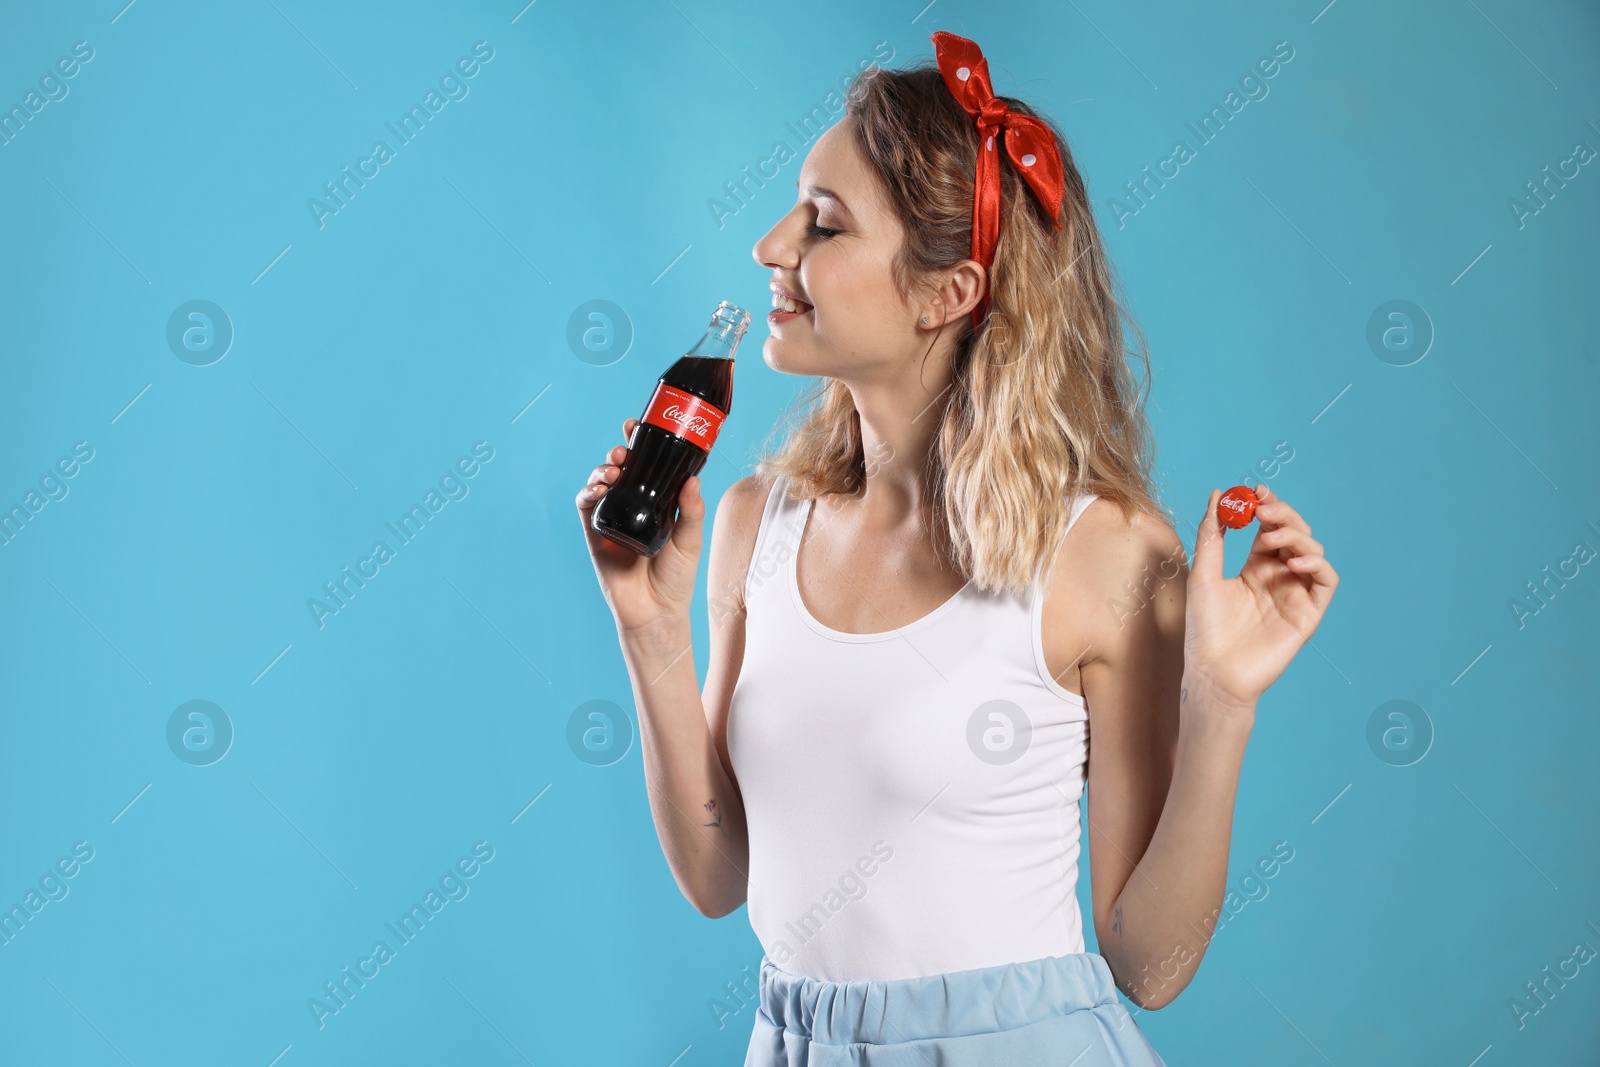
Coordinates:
1112	565
733	540
1119	540
741	505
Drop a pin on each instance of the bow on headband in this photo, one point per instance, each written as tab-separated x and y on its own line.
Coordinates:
1029	143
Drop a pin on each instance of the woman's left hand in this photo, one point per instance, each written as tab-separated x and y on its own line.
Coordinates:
1241	632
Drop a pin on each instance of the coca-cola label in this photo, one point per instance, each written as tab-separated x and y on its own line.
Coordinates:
684	415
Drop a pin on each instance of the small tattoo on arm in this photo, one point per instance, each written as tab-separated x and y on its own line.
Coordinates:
1116	920
1184	696
716	816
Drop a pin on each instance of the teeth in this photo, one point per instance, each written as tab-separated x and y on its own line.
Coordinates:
783	303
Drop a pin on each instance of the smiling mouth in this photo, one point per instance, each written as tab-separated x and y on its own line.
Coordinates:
788	304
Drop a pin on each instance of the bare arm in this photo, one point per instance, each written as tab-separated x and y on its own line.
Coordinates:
698	813
694	800
1163	775
1172	685
1161	791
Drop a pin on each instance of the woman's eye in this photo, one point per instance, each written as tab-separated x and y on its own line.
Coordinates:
822	231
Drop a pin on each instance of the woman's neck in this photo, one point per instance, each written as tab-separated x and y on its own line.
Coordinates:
899	426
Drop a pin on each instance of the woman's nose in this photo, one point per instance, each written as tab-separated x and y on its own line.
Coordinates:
775	249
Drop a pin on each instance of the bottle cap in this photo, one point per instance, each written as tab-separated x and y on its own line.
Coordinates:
1237	507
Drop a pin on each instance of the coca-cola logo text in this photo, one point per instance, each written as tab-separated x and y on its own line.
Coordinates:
684	415
698	425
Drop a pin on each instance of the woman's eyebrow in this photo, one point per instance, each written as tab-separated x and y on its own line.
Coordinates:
817	192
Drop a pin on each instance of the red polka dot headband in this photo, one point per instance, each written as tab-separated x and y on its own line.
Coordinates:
1029	143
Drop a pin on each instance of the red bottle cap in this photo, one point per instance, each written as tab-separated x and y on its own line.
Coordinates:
1237	507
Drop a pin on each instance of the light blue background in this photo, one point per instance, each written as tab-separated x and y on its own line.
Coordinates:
432	310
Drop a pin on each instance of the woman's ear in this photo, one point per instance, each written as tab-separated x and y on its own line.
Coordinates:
957	295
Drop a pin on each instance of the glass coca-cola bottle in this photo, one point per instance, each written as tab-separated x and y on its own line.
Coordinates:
673	438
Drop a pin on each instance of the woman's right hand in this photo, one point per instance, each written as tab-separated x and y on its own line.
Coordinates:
644	593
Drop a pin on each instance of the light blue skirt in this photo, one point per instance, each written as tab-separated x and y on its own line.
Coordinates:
1058	1010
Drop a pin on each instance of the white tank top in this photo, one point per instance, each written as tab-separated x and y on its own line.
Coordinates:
911	795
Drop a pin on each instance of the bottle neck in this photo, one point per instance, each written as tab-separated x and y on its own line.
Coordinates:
721	339
715	344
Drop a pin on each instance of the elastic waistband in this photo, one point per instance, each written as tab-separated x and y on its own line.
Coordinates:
956	1004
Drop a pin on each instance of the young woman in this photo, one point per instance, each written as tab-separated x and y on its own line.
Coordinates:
909	653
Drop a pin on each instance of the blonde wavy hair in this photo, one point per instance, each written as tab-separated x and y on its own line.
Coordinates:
1043	405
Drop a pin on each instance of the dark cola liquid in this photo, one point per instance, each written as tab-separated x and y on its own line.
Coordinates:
640	509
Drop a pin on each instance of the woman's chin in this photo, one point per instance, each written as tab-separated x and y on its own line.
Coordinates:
783	358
